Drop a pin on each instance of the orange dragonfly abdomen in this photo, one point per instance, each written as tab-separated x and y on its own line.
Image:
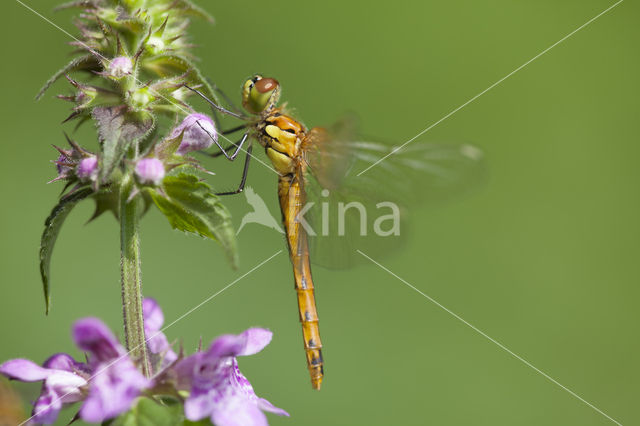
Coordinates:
292	198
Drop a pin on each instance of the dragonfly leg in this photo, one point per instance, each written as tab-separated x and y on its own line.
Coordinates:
216	106
226	98
245	172
232	106
233	145
223	151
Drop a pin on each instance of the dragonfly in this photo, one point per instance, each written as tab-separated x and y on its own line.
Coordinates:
322	167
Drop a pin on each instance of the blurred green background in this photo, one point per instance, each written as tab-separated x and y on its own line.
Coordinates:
543	258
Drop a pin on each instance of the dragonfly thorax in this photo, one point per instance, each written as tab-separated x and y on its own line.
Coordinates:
281	135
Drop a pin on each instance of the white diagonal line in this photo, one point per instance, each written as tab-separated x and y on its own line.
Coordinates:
138	81
396	149
189	312
492	340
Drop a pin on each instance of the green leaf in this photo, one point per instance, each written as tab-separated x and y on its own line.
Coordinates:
166	149
193	9
171	64
106	200
147	412
85	62
51	230
118	128
190	206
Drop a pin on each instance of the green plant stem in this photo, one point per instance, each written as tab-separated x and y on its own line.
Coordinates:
131	276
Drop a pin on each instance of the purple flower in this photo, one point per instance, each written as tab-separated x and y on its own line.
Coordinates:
108	384
217	388
75	163
150	171
64	380
87	168
199	133
116	381
160	350
120	66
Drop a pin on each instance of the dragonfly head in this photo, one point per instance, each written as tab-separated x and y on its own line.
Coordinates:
260	94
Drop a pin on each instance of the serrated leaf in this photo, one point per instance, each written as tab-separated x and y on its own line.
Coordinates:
51	230
76	64
190	206
147	412
106	200
118	128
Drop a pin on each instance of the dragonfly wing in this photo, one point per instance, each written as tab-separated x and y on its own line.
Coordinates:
341	221
420	172
349	209
329	153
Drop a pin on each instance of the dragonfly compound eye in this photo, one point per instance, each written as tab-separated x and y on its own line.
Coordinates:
260	95
266	85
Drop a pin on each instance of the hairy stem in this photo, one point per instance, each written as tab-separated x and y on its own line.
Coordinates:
131	276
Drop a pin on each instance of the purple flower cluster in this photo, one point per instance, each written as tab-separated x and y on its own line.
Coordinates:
76	164
109	382
198	132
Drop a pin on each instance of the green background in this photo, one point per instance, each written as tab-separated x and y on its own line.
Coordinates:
543	257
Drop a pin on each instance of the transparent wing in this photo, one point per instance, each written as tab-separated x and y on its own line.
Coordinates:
351	206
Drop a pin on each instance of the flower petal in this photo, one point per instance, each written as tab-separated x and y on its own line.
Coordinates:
24	370
249	342
160	350
46	408
60	387
62	361
217	387
159	345
185	370
91	334
198	406
243	413
66	385
238	382
112	390
198	133
153	316
265	405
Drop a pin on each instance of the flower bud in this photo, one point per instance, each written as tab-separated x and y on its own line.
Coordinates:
63	164
199	133
155	45
120	66
150	171
141	97
87	168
